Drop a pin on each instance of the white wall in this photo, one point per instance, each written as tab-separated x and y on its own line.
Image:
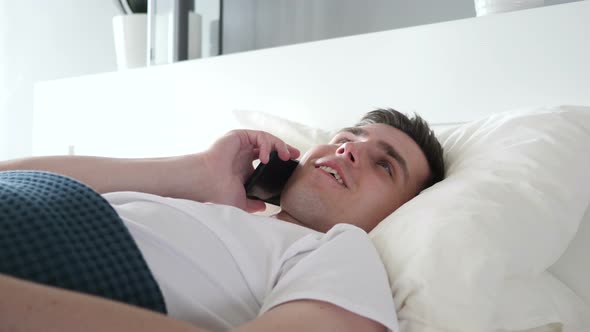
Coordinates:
449	72
254	24
44	40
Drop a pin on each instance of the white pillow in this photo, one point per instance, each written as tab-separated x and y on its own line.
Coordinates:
298	135
510	204
533	304
540	301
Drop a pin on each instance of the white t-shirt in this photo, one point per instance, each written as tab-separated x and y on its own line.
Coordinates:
220	267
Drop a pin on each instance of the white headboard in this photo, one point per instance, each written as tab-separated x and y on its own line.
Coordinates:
448	72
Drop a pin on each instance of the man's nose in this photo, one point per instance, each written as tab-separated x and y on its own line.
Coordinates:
350	151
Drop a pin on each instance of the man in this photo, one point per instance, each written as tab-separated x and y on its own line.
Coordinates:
220	268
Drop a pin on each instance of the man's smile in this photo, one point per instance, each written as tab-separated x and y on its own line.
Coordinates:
334	170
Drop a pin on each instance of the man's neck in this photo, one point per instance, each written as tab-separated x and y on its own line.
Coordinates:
285	216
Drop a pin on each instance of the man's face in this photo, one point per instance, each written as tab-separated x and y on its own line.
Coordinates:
361	177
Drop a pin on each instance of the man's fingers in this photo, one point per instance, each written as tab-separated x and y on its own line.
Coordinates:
293	152
283	150
273	143
264	154
254	205
263	143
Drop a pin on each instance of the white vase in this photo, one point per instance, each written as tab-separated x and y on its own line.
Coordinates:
485	7
163	42
130	40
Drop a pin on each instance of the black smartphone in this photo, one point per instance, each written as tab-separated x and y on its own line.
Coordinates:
268	180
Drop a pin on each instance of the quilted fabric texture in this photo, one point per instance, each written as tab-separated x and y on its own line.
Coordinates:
57	231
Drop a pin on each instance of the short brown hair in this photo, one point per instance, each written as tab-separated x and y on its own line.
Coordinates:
419	131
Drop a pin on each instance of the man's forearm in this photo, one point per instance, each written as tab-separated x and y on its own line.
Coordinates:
215	175
27	306
160	176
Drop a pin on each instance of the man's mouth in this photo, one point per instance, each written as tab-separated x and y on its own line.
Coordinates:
334	173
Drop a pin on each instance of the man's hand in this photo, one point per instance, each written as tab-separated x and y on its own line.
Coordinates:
228	164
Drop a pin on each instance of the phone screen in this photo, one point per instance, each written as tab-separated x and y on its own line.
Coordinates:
268	180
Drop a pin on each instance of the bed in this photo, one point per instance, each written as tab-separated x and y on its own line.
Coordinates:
484	78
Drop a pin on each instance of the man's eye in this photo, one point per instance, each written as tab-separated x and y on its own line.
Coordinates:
342	140
386	166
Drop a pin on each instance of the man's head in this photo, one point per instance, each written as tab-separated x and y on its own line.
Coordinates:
365	173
